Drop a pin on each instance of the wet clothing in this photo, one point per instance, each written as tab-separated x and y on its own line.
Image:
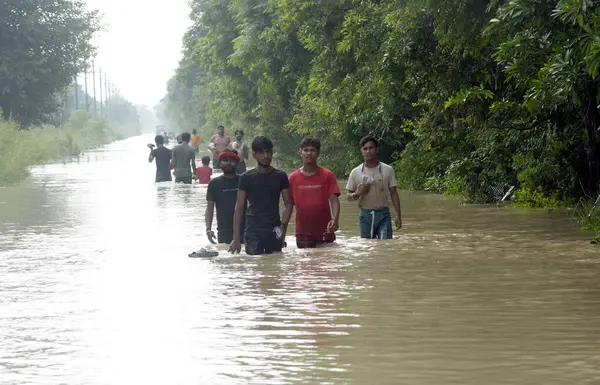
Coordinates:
182	155
310	195
223	191
263	191
203	174
381	178
183	179
262	242
376	223
262	216
162	157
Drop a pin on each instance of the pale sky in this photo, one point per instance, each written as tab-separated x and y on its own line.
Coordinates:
141	45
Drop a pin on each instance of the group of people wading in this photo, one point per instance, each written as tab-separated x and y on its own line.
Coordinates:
247	202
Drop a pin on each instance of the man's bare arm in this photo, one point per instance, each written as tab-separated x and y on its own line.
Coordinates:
208	215
396	202
238	216
334	201
288	206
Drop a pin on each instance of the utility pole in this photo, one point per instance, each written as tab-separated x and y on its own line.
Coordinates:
87	99
107	97
101	101
76	87
76	94
94	88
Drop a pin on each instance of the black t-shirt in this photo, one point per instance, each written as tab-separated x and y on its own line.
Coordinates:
223	191
162	156
263	191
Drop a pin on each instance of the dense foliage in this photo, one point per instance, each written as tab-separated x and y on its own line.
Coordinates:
468	96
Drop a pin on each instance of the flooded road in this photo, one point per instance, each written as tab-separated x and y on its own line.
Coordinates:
96	288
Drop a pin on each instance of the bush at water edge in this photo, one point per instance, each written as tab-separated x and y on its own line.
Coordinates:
22	148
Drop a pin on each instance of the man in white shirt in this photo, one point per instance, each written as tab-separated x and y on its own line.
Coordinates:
369	185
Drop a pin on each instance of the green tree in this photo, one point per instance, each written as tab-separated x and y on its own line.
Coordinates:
44	45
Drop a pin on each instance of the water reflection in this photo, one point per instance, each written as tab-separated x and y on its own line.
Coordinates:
96	287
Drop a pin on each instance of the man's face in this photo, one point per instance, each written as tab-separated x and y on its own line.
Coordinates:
221	130
239	136
263	158
369	151
309	155
228	165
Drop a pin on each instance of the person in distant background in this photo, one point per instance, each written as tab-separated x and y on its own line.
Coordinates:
220	143
183	160
242	150
162	155
196	140
204	172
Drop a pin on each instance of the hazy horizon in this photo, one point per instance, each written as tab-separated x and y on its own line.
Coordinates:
140	47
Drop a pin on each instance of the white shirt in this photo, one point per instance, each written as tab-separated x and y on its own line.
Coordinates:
381	178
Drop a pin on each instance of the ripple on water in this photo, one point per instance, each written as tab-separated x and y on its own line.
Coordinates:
96	288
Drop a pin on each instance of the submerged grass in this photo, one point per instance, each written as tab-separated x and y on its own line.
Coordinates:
23	148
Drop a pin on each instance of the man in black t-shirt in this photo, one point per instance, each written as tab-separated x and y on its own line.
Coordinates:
261	188
163	158
222	193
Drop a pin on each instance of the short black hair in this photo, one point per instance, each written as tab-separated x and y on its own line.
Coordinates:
220	126
367	139
309	141
205	160
240	131
185	137
194	131
159	140
261	143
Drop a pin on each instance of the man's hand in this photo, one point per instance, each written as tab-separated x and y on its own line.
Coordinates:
363	189
211	237
150	145
235	247
332	226
398	223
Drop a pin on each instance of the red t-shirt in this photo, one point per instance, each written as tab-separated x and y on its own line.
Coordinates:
203	174
310	195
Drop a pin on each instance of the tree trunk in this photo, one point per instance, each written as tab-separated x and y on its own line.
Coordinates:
591	122
5	110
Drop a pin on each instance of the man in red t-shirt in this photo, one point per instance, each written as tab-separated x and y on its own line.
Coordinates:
313	188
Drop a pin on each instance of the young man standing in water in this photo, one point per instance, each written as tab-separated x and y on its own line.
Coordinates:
183	160
162	155
242	150
221	143
222	193
369	184
261	187
313	188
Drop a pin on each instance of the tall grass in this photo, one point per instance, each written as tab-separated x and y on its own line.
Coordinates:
23	148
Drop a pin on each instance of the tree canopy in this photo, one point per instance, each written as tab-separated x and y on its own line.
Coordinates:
467	96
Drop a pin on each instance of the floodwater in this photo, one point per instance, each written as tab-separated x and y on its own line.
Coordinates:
96	288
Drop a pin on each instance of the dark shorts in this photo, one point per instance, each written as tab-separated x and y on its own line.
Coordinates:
309	242
262	242
376	223
184	179
163	177
226	237
216	164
